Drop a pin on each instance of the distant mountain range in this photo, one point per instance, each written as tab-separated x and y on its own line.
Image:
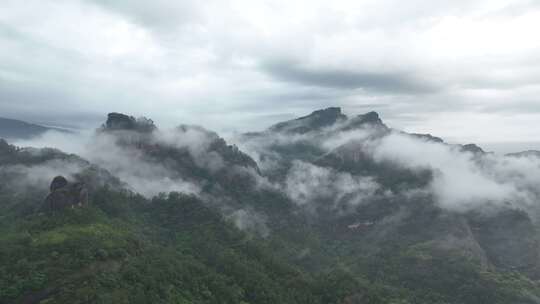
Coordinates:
528	153
18	129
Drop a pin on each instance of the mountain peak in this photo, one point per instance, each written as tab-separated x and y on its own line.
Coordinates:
370	118
473	148
328	112
528	153
119	121
18	129
426	136
314	121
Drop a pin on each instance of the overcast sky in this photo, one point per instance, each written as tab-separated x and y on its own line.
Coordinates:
465	70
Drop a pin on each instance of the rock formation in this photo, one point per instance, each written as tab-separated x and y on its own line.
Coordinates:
315	121
119	121
65	194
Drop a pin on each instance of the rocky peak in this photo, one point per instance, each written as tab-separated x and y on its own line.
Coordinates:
57	183
427	137
4	146
473	148
314	121
326	116
119	121
368	119
65	194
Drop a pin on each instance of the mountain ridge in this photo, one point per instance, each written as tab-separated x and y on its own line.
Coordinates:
325	209
18	129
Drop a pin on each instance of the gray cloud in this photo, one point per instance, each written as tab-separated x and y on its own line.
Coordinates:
160	14
387	83
228	66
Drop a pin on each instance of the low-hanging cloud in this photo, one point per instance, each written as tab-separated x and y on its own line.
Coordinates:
197	141
143	176
249	221
463	180
460	180
306	184
37	177
67	142
129	165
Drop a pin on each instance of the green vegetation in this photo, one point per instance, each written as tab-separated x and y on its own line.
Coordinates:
168	250
174	249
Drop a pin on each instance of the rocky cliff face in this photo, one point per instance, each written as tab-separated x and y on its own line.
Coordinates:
65	195
315	121
119	121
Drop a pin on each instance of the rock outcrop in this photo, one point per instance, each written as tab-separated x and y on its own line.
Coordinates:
426	137
472	148
119	121
65	195
315	121
370	119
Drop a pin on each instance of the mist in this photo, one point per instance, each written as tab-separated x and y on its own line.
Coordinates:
67	142
307	183
38	177
461	180
129	165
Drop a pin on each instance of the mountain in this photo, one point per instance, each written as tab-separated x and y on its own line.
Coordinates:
403	170
314	121
192	153
326	118
324	208
529	153
17	129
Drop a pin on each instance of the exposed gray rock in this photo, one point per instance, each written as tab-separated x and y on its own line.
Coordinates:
314	121
57	183
64	194
119	121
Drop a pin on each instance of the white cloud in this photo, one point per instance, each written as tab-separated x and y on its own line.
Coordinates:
307	184
461	180
129	165
66	142
250	221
